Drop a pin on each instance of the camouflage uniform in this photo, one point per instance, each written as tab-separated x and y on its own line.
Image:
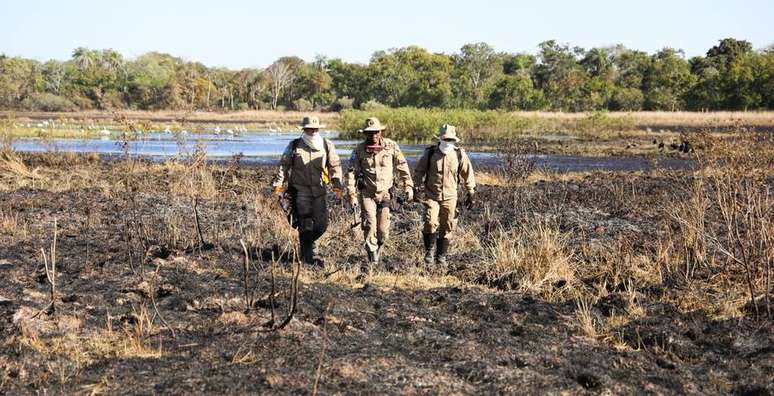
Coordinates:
307	172
440	174
372	175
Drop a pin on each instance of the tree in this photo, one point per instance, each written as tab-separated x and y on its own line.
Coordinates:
667	81
477	66
561	77
410	76
280	75
516	92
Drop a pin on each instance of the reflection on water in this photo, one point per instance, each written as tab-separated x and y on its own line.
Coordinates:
266	147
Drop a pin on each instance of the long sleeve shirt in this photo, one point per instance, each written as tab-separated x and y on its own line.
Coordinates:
440	174
306	169
377	170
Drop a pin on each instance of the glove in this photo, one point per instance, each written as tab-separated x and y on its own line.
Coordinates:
410	194
353	200
471	201
279	191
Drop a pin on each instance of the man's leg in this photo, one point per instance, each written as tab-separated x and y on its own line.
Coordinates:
320	217
430	229
305	220
383	222
447	218
369	225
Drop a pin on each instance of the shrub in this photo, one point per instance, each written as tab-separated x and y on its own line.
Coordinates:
531	258
372	105
48	102
302	105
343	103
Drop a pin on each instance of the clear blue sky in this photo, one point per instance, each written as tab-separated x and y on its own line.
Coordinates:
242	33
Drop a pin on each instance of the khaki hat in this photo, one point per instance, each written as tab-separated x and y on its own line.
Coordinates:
311	122
447	131
372	124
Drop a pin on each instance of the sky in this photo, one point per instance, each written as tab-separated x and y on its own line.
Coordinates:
242	33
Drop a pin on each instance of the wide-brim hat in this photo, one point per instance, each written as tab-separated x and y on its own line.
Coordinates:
372	124
447	131
311	122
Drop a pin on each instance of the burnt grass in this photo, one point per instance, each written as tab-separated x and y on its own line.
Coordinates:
401	330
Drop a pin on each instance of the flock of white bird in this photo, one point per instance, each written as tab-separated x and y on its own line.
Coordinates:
104	131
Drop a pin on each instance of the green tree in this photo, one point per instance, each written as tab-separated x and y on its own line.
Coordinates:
667	81
516	92
411	76
561	77
476	68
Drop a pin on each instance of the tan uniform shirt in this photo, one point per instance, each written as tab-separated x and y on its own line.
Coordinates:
376	170
302	168
439	174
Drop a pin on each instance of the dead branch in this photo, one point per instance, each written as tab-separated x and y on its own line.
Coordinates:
50	268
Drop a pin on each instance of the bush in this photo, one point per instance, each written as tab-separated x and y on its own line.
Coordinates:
302	105
47	102
533	257
343	103
372	105
420	125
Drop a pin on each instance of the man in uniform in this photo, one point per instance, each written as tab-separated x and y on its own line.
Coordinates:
371	173
442	168
308	165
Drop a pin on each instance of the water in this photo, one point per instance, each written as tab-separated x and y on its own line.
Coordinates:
266	147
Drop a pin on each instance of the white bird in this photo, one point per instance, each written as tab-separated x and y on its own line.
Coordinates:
217	130
104	132
167	130
40	125
183	132
229	131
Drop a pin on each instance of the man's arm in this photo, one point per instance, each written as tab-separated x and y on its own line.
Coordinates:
420	171
283	169
467	174
400	163
334	165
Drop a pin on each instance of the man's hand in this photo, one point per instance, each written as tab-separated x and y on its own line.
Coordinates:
337	191
409	194
470	203
353	200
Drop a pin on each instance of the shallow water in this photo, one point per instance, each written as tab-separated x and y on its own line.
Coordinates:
266	147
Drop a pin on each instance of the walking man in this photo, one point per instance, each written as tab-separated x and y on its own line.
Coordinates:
308	165
442	168
371	173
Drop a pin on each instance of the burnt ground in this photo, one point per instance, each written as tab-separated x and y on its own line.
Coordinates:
396	329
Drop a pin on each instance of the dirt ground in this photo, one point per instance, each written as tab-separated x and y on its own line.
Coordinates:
143	306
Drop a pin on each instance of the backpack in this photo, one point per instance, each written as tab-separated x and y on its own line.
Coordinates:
326	179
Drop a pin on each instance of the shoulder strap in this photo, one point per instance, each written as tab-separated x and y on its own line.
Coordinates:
430	152
459	163
294	144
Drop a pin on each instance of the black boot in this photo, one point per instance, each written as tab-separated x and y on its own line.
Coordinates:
378	253
443	249
429	240
306	244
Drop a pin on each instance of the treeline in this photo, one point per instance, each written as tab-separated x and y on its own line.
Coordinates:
732	76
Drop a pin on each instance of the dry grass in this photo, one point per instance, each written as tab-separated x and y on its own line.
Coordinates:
532	259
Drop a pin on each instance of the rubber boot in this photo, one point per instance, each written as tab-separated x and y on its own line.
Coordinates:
429	240
378	253
307	248
371	256
443	249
